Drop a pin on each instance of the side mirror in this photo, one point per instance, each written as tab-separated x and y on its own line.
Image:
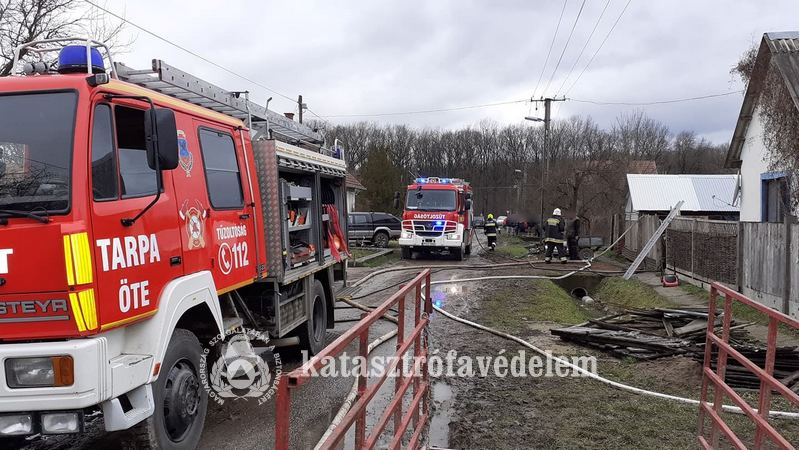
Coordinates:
161	138
468	206
396	200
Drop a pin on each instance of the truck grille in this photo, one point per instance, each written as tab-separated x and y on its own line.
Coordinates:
429	228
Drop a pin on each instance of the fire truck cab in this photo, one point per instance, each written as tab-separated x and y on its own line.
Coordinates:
437	217
142	214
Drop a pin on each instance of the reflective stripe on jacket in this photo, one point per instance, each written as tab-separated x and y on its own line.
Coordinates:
554	229
490	227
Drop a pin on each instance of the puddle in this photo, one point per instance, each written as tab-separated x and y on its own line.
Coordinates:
443	399
443	292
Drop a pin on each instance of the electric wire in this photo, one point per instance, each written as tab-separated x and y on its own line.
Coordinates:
189	51
658	102
427	111
600	47
568	40
551	45
582	50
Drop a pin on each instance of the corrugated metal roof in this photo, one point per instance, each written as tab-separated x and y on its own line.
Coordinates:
701	193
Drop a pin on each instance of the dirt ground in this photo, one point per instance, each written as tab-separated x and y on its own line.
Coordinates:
510	412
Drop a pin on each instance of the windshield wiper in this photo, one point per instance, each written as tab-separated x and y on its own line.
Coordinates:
17	213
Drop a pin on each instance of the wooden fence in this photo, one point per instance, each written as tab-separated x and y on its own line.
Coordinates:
760	260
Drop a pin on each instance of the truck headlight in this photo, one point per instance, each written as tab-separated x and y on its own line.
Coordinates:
16	424
453	236
46	371
406	235
61	422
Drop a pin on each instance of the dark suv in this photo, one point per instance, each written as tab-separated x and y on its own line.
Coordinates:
375	227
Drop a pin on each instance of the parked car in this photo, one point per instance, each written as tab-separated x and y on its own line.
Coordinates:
478	221
375	227
501	221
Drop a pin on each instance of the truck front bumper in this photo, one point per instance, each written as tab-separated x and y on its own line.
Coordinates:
417	242
91	376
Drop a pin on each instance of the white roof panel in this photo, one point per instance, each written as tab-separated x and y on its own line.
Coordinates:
711	193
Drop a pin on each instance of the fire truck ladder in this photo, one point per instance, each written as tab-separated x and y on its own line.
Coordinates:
176	83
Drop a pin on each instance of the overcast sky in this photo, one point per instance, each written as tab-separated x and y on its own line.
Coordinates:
372	57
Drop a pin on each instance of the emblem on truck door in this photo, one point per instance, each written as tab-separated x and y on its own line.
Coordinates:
185	157
194	215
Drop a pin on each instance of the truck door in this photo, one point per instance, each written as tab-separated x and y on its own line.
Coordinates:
224	203
132	263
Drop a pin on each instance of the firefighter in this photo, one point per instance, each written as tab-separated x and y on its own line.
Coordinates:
573	239
553	236
490	229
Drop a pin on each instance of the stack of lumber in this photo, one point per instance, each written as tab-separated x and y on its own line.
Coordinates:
647	334
786	367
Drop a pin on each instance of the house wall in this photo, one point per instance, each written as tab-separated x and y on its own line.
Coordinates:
351	194
754	162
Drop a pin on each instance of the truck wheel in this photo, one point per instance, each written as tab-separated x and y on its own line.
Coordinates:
457	253
586	253
180	400
380	239
468	249
406	253
313	332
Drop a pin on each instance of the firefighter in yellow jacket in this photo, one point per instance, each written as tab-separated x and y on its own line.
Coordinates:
490	229
554	228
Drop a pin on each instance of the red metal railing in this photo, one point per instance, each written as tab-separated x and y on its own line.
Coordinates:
768	383
418	413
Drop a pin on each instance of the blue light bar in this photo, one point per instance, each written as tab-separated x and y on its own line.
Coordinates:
439	222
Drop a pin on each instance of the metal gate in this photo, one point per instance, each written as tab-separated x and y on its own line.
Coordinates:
768	383
418	414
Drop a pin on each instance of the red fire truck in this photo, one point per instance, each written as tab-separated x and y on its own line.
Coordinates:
437	217
142	214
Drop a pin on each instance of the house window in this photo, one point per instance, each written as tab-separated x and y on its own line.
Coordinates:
774	196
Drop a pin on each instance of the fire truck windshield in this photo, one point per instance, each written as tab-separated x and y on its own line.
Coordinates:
431	200
36	134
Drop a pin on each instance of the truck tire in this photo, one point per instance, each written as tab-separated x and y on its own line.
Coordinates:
457	253
380	239
468	249
586	253
406	253
180	400
313	332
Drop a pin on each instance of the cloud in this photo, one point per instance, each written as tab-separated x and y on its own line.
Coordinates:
366	57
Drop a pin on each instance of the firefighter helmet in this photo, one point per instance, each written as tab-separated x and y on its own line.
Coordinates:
490	216
556	212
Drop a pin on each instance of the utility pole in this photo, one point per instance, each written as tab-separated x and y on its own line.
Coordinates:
545	152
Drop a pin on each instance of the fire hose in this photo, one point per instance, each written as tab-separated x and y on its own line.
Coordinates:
625	387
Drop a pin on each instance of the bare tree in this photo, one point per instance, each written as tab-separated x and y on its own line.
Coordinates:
24	21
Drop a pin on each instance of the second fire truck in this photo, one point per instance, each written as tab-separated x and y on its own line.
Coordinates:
437	217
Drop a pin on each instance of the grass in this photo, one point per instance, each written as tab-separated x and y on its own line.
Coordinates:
511	246
361	252
631	293
740	312
380	261
509	308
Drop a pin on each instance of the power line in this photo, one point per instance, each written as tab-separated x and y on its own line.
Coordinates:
551	45
582	50
571	33
600	46
197	55
658	102
426	111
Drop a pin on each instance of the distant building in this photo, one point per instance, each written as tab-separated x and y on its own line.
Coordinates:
354	186
762	192
708	196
